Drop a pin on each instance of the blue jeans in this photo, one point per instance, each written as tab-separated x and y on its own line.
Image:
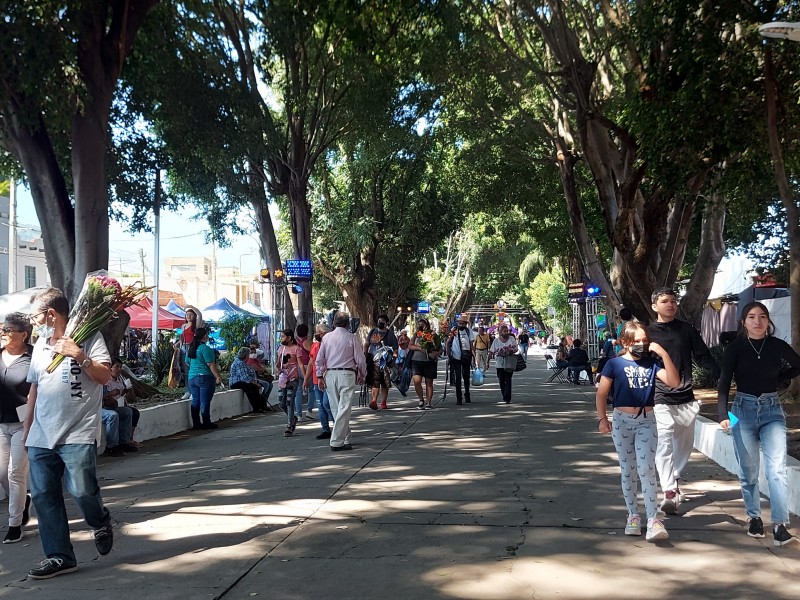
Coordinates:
76	464
286	400
267	385
761	421
202	390
523	350
298	400
325	414
111	424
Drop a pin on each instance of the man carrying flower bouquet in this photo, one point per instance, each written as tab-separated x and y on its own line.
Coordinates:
60	430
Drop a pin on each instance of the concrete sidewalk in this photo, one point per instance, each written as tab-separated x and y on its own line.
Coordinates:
483	501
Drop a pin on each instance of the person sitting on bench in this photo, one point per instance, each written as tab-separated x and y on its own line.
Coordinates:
578	361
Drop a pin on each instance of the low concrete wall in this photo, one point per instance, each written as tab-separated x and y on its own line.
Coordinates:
167	419
711	440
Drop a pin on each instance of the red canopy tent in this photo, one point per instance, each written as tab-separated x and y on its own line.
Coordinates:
142	317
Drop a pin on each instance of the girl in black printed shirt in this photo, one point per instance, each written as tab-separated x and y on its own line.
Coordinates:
756	360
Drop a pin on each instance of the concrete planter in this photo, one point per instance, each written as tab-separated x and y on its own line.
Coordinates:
167	419
717	445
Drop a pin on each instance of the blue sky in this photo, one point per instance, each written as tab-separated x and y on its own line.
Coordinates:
180	236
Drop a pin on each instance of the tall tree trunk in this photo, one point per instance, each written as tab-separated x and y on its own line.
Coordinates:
300	214
712	249
789	204
91	191
269	245
34	151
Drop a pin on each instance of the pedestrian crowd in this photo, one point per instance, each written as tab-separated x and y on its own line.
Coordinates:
50	420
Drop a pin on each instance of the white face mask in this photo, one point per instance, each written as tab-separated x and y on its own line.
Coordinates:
44	331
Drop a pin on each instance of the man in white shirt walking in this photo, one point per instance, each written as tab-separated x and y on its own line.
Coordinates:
341	368
62	425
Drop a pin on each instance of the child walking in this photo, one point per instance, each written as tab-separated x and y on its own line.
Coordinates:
630	379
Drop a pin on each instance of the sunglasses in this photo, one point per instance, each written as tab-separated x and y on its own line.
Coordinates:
6	330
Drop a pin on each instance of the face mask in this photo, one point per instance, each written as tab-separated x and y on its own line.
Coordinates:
252	355
44	331
639	350
285	343
381	324
462	327
318	337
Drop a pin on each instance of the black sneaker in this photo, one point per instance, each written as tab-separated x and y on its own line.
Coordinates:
14	535
128	448
50	567
325	435
755	527
104	539
780	536
115	451
26	513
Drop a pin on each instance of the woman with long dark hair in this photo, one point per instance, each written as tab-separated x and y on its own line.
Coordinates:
15	360
290	372
203	378
757	359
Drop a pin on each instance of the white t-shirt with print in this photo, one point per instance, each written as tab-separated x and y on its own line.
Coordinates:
68	401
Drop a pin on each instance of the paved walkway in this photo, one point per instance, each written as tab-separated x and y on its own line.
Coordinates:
483	501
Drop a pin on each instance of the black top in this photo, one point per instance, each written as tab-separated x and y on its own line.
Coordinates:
578	357
523	338
14	390
754	375
682	342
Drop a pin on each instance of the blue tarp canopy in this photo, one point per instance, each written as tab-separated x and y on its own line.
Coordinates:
219	309
175	309
223	306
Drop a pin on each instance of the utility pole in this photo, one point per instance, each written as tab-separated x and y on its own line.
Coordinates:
141	259
12	237
157	234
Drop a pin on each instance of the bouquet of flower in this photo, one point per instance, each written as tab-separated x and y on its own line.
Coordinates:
430	341
101	298
506	351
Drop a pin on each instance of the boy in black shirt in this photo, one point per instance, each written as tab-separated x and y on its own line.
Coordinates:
676	408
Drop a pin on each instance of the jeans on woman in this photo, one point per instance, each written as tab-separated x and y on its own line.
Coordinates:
13	470
75	465
635	439
325	414
286	399
202	390
761	422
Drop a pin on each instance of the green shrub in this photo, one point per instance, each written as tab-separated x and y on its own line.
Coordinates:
235	329
701	377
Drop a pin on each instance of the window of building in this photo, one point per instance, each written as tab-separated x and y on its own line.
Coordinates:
184	267
205	269
30	276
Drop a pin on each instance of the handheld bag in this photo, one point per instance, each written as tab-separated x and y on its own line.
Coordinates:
477	378
521	364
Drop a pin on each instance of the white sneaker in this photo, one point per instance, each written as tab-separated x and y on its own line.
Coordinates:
633	525
186	396
656	531
672	501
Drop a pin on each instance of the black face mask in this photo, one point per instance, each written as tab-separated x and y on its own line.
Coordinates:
318	337
462	327
381	324
285	342
639	350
